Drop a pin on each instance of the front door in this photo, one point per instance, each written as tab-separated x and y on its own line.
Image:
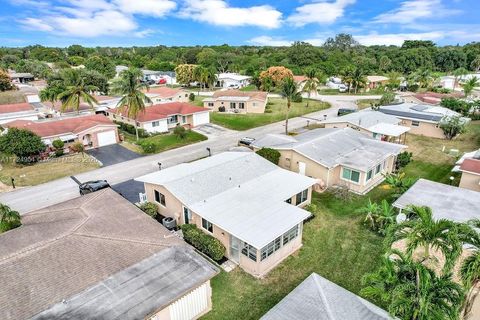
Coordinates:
234	249
186	215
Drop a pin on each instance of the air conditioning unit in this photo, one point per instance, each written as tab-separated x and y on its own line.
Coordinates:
169	223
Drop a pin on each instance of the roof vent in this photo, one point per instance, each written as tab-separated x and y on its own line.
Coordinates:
239	186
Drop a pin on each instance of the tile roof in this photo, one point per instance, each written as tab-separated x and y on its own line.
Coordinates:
94	257
317	298
299	78
261	95
63	126
15	107
163	110
471	165
164	92
57	106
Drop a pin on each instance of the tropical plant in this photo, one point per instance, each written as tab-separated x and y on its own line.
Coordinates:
5	81
58	145
379	217
267	84
290	92
394	80
311	83
471	84
457	74
185	73
9	219
403	159
191	97
452	126
398	182
77	147
180	131
149	208
204	242
358	78
470	269
76	94
413	291
387	98
347	77
133	98
423	77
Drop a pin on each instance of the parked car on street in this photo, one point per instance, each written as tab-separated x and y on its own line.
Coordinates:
344	111
92	186
246	141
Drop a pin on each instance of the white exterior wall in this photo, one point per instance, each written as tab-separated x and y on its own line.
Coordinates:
162	127
201	118
31	98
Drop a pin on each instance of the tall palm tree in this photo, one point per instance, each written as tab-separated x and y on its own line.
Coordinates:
394	80
9	219
50	94
311	83
76	94
290	92
470	270
423	77
422	230
471	84
347	77
358	78
413	291
133	98
457	74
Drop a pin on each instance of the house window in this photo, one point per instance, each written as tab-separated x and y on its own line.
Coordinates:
232	105
290	235
207	225
211	104
249	251
254	104
160	198
415	123
270	248
379	167
352	175
172	119
369	174
302	197
241	105
155	123
184	119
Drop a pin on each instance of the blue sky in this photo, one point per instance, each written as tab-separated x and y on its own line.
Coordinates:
235	22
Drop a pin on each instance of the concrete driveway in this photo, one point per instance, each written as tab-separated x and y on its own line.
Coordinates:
211	130
112	154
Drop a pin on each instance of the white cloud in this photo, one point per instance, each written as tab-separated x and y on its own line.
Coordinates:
396	39
269	41
321	12
413	10
218	12
157	8
35	24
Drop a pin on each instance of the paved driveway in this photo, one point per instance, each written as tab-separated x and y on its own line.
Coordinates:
129	190
112	154
212	130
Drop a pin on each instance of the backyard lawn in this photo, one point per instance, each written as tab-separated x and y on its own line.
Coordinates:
277	109
55	168
161	142
14	96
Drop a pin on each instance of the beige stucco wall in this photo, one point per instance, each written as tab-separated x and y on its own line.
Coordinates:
181	96
425	129
93	135
251	106
188	121
470	181
173	207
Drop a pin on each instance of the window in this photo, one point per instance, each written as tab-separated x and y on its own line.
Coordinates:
207	225
160	198
172	119
186	95
211	104
369	174
184	119
379	167
352	175
254	104
241	105
249	251
290	235
415	123
270	248
301	197
155	123
232	105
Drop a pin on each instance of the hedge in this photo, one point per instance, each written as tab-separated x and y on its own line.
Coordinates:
271	155
131	129
203	242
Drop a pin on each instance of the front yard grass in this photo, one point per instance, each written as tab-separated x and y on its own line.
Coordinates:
55	168
161	142
277	111
10	97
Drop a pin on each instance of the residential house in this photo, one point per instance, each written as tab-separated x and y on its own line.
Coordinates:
335	157
165	116
470	168
317	298
250	205
166	94
421	119
300	81
100	257
91	130
435	98
236	101
232	80
119	69
375	124
21	77
17	111
160	77
374	82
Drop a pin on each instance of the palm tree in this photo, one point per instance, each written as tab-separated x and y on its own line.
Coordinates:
471	84
289	91
394	80
371	210
311	83
423	77
470	270
358	79
399	182
413	291
133	99
458	73
9	219
422	230
50	94
347	77
76	94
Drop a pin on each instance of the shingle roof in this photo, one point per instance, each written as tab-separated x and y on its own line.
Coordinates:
163	110
63	126
260	95
331	147
471	165
57	106
317	298
241	192
446	202
105	257
15	107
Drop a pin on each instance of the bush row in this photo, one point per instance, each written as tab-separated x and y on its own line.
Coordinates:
131	129
203	242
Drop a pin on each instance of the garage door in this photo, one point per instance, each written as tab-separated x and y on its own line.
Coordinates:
201	118
106	138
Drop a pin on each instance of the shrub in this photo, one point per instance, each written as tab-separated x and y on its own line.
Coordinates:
58	144
271	155
58	152
22	143
131	129
180	132
221	109
452	126
403	159
191	97
147	146
297	98
203	242
387	98
312	208
77	147
149	208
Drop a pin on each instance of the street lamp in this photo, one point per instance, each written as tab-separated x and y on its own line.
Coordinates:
209	152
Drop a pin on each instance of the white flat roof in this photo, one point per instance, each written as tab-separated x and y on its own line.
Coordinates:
388	129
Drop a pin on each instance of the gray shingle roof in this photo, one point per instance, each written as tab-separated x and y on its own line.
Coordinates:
317	298
446	202
66	250
331	147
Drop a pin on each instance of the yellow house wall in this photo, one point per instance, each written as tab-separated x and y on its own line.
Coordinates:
424	129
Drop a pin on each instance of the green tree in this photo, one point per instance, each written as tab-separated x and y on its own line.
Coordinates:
180	131
185	73
290	92
5	82
475	64
77	93
471	84
470	269
270	154
22	143
149	208
398	182
133	99
101	64
452	126
458	73
379	217
387	98
384	63
394	80
311	83
9	219
358	79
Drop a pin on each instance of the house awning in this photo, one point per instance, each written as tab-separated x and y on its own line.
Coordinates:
388	129
68	137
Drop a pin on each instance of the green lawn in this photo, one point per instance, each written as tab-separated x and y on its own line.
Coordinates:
366	103
249	88
275	112
329	91
13	96
162	142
